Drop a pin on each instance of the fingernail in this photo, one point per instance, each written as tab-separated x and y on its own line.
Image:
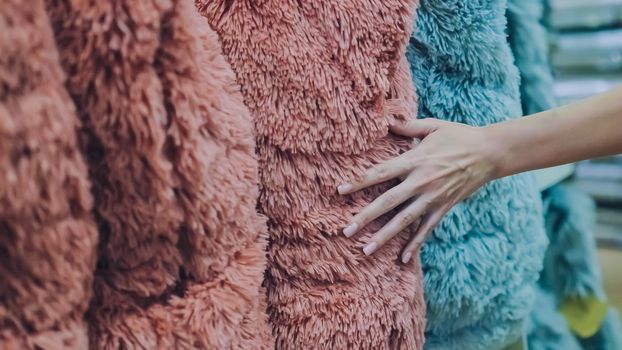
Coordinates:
406	257
344	188
394	122
370	248
350	230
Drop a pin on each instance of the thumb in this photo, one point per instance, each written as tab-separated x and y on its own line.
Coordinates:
416	128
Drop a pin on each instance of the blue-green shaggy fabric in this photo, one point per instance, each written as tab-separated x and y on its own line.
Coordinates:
482	262
528	40
571	266
609	337
546	328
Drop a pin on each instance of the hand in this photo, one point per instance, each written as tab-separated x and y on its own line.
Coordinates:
449	164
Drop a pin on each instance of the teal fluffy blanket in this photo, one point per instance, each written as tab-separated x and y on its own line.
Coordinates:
482	262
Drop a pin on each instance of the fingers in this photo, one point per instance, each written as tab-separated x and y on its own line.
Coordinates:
428	223
403	219
416	128
380	173
381	205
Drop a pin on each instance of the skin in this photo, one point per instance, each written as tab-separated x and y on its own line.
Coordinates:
437	174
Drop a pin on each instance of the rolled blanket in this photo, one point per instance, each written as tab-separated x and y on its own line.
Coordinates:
323	79
483	260
48	238
572	273
171	158
528	39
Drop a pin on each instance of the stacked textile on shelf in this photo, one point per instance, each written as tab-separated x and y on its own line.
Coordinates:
482	262
323	79
571	274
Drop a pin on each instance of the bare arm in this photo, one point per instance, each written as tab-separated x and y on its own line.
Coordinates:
583	130
454	160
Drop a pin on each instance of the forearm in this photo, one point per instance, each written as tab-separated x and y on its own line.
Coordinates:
583	130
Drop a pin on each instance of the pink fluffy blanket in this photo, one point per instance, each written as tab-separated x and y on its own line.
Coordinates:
323	79
169	150
47	236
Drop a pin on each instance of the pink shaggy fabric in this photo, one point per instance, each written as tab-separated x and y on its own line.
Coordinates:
171	158
48	239
323	79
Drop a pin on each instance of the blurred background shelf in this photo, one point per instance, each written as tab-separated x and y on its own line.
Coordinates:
574	85
572	14
608	226
586	54
610	261
601	50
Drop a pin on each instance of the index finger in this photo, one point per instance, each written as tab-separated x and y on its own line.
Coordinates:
380	173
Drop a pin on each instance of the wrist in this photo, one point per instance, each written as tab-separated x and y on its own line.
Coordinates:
498	151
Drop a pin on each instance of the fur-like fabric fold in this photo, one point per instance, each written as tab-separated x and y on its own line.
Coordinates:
571	268
528	40
323	79
482	262
47	236
171	158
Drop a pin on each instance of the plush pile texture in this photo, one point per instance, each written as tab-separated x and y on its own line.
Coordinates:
171	159
570	266
547	328
482	262
528	39
48	239
323	79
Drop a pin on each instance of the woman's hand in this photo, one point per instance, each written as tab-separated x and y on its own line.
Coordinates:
449	164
